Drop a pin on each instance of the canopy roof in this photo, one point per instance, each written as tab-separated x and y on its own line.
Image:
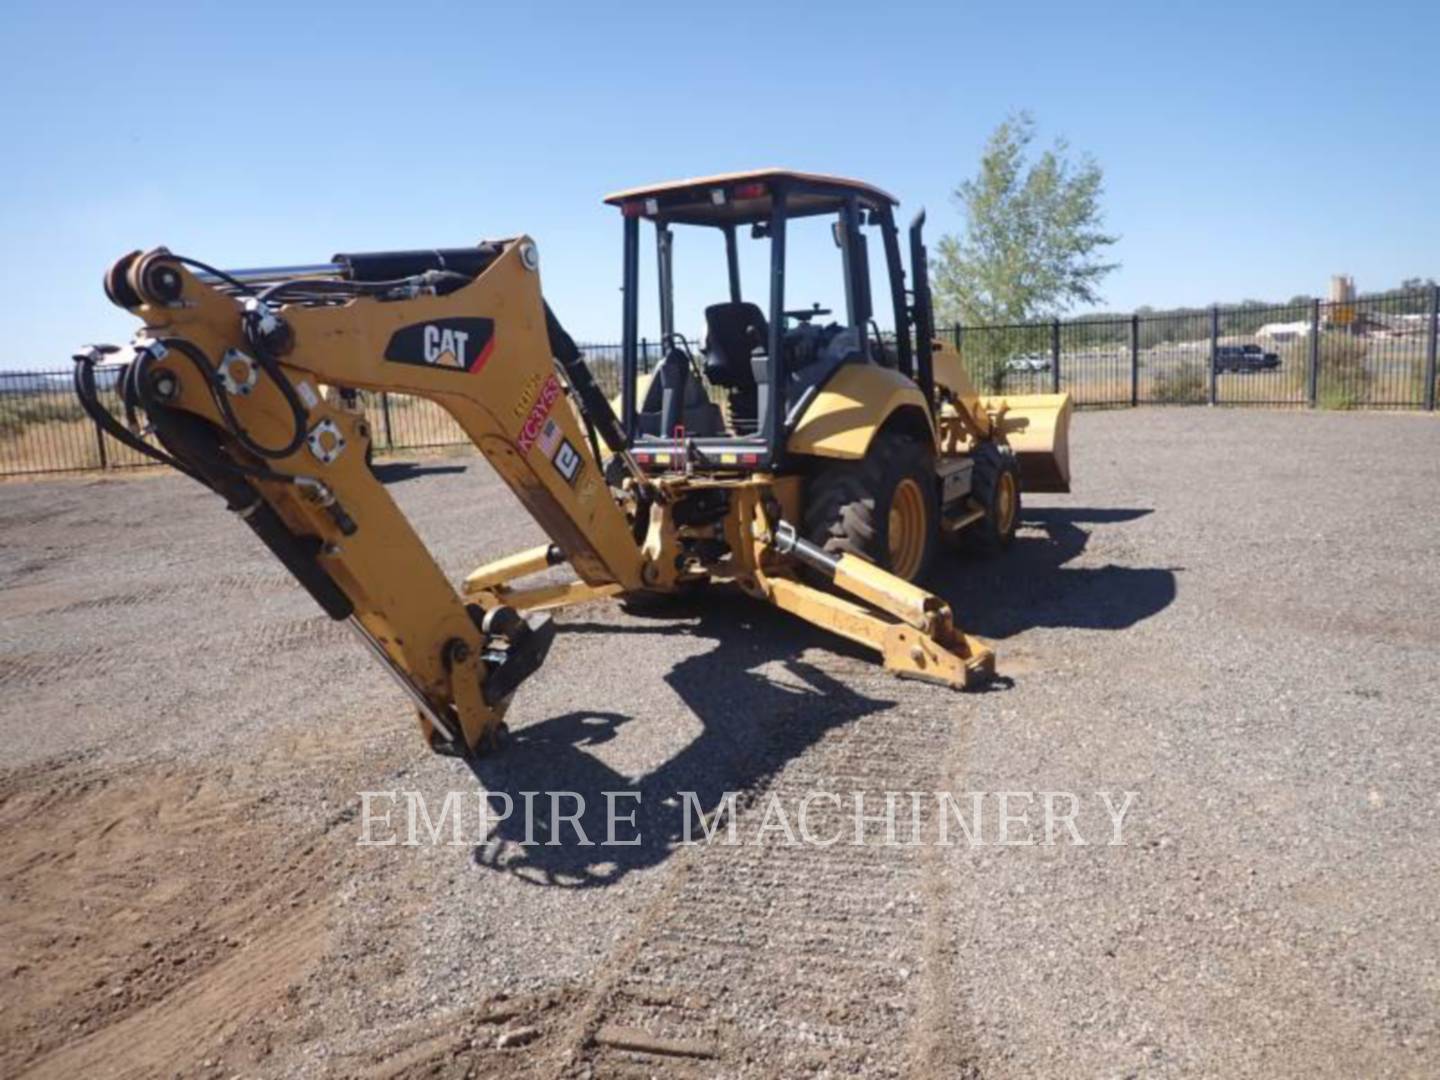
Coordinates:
744	197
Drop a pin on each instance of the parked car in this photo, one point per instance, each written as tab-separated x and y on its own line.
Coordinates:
1029	362
1245	358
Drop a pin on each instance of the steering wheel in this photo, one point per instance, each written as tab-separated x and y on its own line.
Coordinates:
804	315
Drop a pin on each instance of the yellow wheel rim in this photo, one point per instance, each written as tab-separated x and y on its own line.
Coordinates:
1005	500
909	521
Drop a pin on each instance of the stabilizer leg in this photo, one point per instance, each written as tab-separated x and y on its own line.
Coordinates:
491	584
914	631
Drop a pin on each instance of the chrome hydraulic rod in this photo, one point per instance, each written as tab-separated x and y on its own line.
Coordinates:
405	682
925	643
274	273
790	542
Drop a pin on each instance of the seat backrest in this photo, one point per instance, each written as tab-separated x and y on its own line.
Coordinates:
695	394
733	331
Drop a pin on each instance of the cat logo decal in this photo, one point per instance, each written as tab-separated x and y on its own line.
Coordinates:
461	344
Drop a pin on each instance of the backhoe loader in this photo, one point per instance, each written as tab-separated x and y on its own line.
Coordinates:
815	466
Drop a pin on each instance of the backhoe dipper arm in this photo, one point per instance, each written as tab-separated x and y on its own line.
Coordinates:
229	376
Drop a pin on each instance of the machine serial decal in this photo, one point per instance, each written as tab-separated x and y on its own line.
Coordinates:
568	461
535	422
461	344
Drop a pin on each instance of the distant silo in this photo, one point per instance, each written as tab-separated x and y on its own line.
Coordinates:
1341	309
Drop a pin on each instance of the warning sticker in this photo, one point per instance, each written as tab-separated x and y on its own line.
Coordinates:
567	461
549	438
535	422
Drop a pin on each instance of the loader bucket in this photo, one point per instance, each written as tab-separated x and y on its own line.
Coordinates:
1037	426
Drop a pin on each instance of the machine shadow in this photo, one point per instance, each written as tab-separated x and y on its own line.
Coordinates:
397	472
752	725
1031	585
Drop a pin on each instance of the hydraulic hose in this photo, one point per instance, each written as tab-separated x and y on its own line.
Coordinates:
89	397
594	406
202	364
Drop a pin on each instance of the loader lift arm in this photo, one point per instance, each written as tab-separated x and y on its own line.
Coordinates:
230	373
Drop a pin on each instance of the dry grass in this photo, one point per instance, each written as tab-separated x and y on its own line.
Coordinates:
1284	384
62	445
1343	381
41	446
21	412
1179	386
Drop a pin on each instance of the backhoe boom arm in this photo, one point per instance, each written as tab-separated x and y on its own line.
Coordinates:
232	377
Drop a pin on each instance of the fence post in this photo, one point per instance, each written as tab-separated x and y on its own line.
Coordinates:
1214	353
1430	348
385	415
105	461
1134	360
1313	390
1055	356
957	335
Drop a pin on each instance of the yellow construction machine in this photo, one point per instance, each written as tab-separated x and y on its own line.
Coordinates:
814	465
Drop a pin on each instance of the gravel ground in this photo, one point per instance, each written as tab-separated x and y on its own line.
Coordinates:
1233	617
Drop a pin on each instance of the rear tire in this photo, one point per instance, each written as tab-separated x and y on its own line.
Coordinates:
883	507
995	486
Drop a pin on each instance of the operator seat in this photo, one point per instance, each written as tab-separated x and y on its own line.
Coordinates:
734	331
690	407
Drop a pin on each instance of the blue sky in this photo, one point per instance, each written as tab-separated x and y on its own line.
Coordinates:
1250	150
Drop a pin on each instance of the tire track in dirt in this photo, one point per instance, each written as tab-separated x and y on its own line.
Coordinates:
429	1048
821	939
225	587
36	670
207	1012
559	1024
32	668
940	1038
28	670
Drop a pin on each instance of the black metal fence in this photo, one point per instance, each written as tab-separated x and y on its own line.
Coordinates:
1372	353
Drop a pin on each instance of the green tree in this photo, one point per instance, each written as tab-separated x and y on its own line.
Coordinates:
1033	243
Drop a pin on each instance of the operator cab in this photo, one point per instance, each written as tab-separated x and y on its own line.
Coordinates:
731	399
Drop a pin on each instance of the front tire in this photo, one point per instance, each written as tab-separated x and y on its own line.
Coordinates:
995	486
882	507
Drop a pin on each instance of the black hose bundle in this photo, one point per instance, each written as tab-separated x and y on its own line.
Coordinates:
271	367
89	396
137	393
